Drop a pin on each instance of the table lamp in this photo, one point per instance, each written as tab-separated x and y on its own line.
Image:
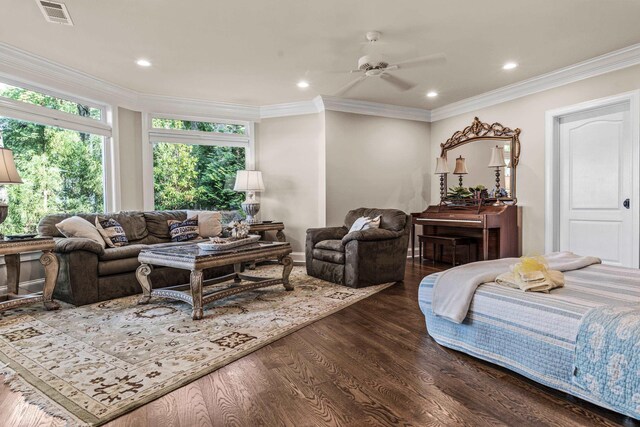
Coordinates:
8	175
461	169
497	161
249	182
442	169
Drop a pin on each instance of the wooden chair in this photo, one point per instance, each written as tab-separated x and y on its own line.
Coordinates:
440	241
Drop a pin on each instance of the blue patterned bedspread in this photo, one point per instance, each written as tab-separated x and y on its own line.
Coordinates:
535	334
607	359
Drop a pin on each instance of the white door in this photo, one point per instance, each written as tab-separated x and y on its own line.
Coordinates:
596	170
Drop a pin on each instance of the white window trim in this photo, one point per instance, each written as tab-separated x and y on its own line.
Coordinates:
105	127
151	135
67	97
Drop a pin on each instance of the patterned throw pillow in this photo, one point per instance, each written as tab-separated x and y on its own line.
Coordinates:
181	231
112	232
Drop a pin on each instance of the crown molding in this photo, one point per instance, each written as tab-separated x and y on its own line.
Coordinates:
23	68
36	71
612	61
197	107
292	108
375	109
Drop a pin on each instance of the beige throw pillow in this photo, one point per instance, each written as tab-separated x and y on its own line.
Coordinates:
209	222
76	226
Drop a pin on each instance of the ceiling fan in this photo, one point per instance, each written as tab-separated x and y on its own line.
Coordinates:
374	65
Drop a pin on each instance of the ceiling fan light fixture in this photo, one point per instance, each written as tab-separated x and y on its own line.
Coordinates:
510	65
432	94
302	84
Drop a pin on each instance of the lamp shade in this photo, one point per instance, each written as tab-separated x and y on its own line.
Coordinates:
461	166
441	165
497	158
248	181
8	172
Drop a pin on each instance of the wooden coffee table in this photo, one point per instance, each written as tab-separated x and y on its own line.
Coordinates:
191	257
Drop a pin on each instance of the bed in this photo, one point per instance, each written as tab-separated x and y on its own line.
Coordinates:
536	334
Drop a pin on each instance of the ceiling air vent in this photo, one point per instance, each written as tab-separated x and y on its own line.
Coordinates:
55	12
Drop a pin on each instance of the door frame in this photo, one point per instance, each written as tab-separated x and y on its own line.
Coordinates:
552	165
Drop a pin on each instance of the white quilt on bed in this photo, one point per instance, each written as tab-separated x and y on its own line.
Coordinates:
454	288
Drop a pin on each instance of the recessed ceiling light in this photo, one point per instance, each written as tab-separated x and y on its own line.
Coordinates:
509	66
143	63
432	94
302	84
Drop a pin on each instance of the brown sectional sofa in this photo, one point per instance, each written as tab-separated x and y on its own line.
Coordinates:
89	273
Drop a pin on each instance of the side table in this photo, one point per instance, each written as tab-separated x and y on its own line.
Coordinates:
262	227
11	249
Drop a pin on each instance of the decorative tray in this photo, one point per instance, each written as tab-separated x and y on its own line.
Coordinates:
224	244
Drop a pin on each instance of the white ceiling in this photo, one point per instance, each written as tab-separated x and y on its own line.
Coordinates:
253	52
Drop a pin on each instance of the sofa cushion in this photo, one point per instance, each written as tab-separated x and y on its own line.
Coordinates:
332	245
117	266
76	226
122	252
112	232
391	219
329	256
182	231
209	222
157	222
133	223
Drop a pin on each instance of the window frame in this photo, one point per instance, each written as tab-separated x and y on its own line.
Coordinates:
153	135
104	128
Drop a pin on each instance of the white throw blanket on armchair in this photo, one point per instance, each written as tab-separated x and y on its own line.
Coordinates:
454	288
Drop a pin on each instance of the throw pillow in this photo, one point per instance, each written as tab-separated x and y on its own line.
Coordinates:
209	222
112	232
374	223
360	223
76	226
181	231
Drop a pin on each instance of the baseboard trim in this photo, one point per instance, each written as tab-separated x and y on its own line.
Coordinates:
27	287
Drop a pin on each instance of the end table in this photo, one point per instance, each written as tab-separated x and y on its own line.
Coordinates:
11	249
262	227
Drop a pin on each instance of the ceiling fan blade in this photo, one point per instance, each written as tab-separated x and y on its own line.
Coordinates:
397	82
419	61
355	71
349	85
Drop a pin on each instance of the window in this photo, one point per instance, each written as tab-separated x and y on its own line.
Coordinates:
62	169
158	123
48	101
196	176
197	170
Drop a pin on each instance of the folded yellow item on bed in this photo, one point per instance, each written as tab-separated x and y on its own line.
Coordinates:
532	275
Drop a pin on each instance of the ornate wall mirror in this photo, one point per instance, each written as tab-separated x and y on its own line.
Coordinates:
476	145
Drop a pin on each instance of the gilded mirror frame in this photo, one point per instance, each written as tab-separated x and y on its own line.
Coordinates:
480	131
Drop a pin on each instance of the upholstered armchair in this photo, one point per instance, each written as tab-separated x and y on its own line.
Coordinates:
360	258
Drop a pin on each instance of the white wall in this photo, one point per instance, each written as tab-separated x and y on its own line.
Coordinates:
290	154
375	162
528	114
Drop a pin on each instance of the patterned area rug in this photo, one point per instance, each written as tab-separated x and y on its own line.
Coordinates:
91	364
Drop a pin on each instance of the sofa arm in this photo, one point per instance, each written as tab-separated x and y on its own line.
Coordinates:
371	234
71	244
315	235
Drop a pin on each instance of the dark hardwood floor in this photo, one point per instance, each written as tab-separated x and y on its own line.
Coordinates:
372	363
